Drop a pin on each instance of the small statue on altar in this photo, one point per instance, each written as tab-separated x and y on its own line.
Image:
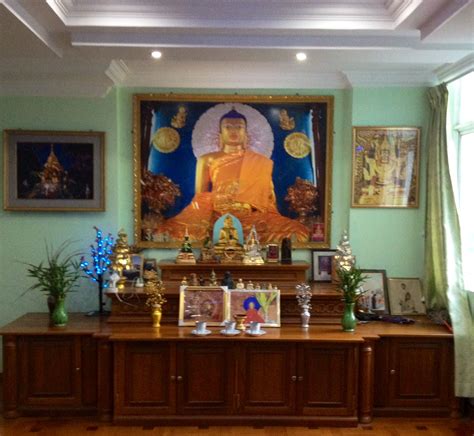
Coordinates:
121	258
202	281
227	280
213	279
207	252
252	247
240	284
194	279
258	287
186	254
184	281
250	285
228	246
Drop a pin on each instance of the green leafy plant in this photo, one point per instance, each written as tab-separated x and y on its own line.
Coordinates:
59	274
350	283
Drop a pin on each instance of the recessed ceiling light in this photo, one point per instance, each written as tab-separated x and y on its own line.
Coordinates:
156	54
301	56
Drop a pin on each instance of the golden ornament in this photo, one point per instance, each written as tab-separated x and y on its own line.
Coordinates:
297	145
166	140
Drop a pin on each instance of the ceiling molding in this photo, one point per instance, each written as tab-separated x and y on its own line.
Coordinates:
405	10
242	40
442	16
374	79
118	71
450	72
34	26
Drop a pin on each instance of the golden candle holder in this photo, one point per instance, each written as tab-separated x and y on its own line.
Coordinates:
240	321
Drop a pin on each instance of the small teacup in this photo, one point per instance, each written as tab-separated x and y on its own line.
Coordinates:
230	326
201	326
254	327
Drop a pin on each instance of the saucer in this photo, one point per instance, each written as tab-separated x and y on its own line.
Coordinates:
260	333
230	332
204	333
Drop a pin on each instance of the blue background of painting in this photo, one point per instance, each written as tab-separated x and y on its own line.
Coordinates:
180	165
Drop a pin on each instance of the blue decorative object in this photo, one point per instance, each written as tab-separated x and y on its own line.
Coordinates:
100	264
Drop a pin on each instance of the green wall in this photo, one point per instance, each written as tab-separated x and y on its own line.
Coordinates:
390	239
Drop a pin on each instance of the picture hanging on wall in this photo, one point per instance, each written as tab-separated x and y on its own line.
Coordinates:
264	159
54	171
385	166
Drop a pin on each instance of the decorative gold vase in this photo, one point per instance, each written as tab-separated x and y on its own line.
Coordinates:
240	320
156	316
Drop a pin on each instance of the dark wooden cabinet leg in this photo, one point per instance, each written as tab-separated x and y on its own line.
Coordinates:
10	377
104	380
366	386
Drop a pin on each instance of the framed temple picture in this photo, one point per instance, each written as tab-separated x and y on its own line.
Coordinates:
406	297
322	265
54	171
202	303
385	166
267	160
262	305
375	298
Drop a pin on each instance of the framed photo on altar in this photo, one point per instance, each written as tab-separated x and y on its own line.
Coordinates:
406	297
202	303
385	166
53	171
262	305
322	265
267	160
375	296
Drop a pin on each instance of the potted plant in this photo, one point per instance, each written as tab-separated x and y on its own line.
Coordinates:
56	277
350	281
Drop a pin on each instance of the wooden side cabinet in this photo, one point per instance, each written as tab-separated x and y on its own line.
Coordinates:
51	372
414	375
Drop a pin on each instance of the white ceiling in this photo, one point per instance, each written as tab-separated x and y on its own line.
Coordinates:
85	47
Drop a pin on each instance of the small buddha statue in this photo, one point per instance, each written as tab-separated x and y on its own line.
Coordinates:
213	279
228	246
252	249
250	285
186	254
240	284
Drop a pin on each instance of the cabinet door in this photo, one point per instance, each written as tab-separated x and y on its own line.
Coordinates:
267	379
143	378
327	377
50	371
420	373
205	378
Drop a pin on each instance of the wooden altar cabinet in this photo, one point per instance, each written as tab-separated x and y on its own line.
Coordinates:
134	373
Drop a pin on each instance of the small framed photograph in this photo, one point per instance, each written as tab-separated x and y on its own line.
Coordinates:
375	297
54	171
150	265
136	269
262	305
202	303
406	297
273	253
322	263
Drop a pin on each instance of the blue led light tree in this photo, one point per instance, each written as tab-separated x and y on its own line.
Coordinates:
100	254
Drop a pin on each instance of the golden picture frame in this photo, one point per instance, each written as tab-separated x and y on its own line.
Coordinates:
283	187
385	167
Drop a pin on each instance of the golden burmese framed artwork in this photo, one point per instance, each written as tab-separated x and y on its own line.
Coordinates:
385	166
267	160
54	171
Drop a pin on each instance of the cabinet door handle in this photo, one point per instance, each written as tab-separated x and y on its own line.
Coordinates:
392	371
300	378
78	369
294	378
173	378
179	378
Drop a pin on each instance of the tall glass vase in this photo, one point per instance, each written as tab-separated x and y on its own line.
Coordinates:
59	317
348	320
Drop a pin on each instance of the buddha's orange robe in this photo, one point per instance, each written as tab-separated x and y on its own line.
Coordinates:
240	184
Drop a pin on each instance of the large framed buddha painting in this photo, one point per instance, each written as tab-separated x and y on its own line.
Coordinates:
266	160
54	171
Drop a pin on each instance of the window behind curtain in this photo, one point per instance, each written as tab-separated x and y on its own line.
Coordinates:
460	134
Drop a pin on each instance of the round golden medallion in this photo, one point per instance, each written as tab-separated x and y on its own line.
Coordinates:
297	145
166	139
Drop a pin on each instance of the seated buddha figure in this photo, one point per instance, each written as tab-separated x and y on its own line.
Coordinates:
237	180
228	245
